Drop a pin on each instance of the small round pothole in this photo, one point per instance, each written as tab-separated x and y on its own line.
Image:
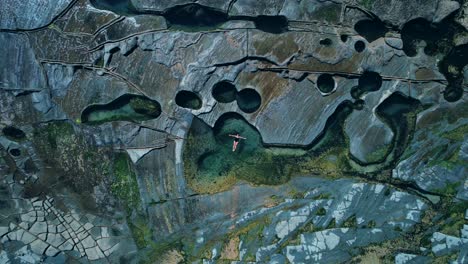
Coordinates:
248	100
325	83
370	81
344	37
359	46
224	92
453	94
326	42
13	132
15	152
188	99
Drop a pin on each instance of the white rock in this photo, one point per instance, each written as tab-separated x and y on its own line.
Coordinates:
24	255
403	258
38	228
445	8
464	231
51	251
88	242
38	246
3	230
94	253
55	240
27	238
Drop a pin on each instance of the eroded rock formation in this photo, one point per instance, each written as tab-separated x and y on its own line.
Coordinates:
115	116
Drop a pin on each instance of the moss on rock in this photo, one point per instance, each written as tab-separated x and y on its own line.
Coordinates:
125	185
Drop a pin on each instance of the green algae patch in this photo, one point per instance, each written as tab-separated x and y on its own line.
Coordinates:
458	134
69	157
209	158
211	166
350	222
141	232
251	234
125	185
378	155
281	48
366	3
330	13
321	211
157	252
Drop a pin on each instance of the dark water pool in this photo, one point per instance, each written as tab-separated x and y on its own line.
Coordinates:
127	107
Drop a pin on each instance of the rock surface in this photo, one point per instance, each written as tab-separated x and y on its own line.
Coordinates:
363	167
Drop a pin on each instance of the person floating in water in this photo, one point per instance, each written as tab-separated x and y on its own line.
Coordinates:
237	138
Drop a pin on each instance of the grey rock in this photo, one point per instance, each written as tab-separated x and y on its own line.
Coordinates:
464	231
38	246
94	253
38	228
399	12
51	251
27	238
403	258
3	230
25	255
425	168
364	126
106	243
59	78
88	242
331	245
443	244
19	64
445	8
55	240
4	257
463	18
30	14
